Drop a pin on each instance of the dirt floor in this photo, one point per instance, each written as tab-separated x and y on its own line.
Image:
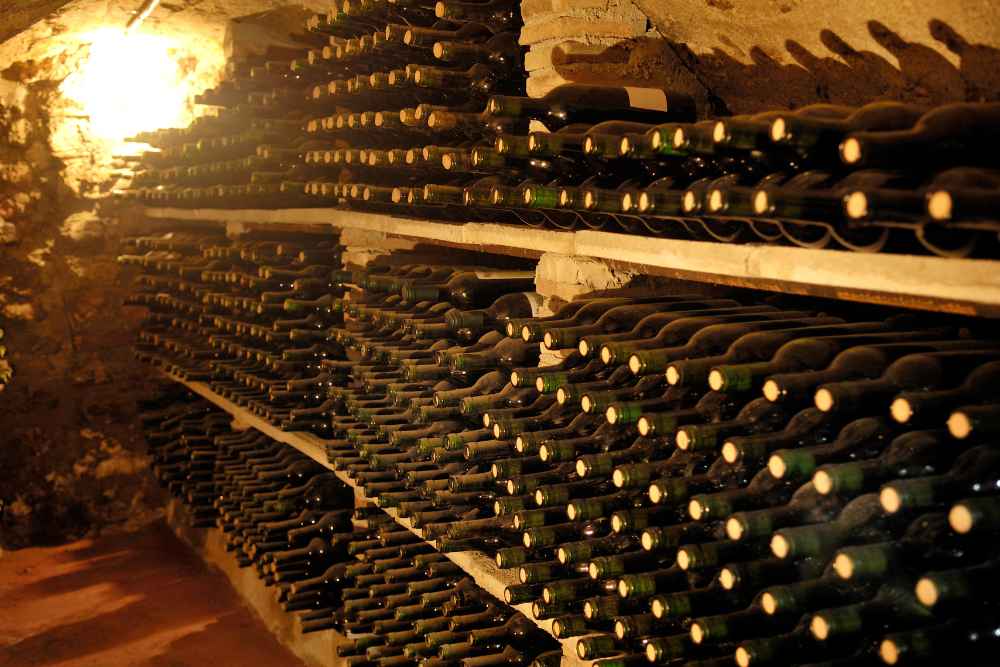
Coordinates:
137	600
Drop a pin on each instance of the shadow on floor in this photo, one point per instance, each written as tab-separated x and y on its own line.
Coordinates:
137	600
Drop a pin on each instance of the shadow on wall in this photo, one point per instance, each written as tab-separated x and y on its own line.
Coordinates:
844	75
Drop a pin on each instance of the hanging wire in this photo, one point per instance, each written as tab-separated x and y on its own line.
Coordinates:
140	15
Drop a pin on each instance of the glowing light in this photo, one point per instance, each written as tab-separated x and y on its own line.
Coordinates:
129	83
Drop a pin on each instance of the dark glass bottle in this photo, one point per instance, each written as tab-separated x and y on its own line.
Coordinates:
924	371
863	361
960	132
579	103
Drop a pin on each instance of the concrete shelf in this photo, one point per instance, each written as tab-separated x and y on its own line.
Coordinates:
960	286
477	565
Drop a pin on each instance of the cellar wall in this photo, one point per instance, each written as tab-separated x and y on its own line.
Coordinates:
69	450
744	56
69	453
71	458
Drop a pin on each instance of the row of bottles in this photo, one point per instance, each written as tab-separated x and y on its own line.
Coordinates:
769	177
698	478
372	77
429	120
397	600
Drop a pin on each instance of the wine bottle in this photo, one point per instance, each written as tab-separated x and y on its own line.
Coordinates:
913	372
860	521
863	361
926	408
892	608
577	103
970	473
962	125
816	138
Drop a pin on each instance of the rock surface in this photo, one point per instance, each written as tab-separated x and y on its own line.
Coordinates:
746	56
70	453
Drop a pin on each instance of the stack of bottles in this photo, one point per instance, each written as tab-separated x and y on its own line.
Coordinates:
232	312
346	120
699	478
448	620
377	396
396	600
418	109
766	487
867	179
280	512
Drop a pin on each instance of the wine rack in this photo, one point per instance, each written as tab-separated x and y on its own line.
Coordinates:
480	567
719	351
385	118
720	248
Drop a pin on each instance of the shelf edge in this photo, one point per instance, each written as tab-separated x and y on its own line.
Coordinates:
959	286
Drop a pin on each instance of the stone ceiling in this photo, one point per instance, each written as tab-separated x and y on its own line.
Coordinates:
52	42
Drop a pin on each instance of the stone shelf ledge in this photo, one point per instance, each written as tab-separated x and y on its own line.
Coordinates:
477	565
959	286
317	649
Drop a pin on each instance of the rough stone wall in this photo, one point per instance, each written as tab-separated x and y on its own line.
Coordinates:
744	56
69	450
19	15
71	457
